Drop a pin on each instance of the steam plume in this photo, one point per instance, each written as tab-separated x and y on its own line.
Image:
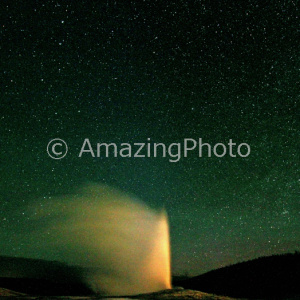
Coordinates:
123	243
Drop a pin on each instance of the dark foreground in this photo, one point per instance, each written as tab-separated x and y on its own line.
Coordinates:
167	294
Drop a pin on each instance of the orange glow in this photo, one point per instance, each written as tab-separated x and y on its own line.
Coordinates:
159	259
123	243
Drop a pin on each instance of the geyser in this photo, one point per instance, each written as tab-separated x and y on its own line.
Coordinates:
122	243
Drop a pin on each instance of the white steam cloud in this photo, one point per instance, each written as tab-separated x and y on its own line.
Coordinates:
123	243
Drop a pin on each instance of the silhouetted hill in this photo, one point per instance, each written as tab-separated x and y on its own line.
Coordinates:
179	278
40	277
272	277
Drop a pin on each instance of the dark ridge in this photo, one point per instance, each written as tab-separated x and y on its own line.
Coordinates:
41	277
43	287
272	277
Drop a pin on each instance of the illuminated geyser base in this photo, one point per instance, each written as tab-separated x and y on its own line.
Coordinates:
124	243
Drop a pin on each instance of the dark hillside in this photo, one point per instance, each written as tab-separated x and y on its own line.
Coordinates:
272	277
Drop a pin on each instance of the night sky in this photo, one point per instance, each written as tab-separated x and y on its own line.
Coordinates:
122	72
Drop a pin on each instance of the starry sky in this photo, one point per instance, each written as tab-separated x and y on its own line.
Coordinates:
121	72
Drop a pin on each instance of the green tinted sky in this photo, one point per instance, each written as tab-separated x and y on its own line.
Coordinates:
116	72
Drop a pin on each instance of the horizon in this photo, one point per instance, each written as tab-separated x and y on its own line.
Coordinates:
184	274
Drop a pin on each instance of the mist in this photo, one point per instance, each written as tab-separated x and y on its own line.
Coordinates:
122	244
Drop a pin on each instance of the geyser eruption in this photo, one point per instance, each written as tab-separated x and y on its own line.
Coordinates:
122	243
